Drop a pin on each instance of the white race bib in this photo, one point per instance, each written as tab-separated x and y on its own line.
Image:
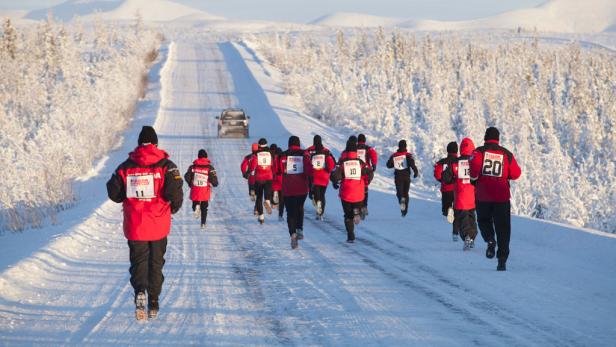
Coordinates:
318	161
295	165
464	171
140	186
492	164
264	158
200	180
361	154
352	169
400	162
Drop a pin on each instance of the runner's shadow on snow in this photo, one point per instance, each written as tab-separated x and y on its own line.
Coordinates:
251	96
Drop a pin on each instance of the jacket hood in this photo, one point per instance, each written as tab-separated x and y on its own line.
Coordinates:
202	161
352	155
467	146
147	155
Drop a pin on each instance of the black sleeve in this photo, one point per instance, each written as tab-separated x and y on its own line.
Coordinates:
189	176
366	171
115	188
172	190
448	176
411	163
213	177
390	162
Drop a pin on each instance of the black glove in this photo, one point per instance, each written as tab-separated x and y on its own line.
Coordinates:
245	175
335	185
175	209
374	168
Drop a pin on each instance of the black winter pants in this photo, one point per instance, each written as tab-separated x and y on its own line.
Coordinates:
403	184
203	205
146	266
495	218
365	202
465	223
319	195
264	191
280	203
350	209
295	212
446	201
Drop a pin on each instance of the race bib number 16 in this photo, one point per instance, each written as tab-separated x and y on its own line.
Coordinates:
140	186
492	164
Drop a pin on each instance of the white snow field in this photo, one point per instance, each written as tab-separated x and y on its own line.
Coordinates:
403	283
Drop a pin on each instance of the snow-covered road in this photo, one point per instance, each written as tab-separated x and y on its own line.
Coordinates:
238	283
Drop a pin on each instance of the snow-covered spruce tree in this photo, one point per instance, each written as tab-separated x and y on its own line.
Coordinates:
64	96
554	104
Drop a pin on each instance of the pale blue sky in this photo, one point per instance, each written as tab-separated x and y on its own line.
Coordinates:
306	10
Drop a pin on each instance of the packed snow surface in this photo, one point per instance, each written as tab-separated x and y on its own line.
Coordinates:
404	282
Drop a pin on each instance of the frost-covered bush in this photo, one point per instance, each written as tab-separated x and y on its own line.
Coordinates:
554	104
64	96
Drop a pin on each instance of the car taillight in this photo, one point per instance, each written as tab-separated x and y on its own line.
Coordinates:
245	123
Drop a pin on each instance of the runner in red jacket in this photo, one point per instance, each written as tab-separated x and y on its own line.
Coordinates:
263	165
294	166
247	174
343	155
447	189
322	163
369	156
491	167
149	186
458	174
402	162
277	198
350	175
201	177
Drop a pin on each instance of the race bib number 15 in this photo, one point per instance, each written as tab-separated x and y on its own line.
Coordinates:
140	186
295	165
200	180
492	164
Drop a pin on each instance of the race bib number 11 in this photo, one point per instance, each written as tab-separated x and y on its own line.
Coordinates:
295	165
140	186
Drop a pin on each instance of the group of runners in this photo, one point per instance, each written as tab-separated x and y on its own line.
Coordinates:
474	186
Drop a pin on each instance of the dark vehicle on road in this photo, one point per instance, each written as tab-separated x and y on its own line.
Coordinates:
233	122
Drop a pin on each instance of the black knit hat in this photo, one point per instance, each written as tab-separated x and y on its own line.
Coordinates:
202	153
402	144
262	142
294	141
361	138
452	147
274	147
147	135
351	147
317	140
353	138
492	134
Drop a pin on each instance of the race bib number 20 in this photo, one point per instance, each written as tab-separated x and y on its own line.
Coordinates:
140	186
492	164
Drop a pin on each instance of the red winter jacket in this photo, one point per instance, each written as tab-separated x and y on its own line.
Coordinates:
201	176
322	163
246	172
492	166
464	190
441	166
294	166
149	186
263	165
352	174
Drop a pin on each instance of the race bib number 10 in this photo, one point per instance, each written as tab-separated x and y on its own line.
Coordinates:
492	164
352	170
200	180
295	165
318	161
140	186
400	162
